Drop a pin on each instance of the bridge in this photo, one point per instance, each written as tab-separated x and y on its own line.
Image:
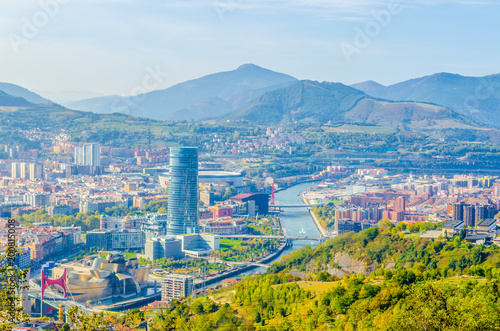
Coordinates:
296	206
284	238
277	207
258	264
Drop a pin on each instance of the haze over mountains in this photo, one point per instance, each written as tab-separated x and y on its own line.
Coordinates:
21	92
208	96
475	97
266	97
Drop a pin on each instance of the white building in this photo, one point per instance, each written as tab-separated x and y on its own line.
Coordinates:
88	154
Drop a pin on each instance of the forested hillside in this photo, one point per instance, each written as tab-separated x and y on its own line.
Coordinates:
441	284
385	246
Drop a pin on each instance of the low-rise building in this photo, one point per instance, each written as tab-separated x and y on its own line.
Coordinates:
199	244
113	240
224	225
163	247
488	225
452	228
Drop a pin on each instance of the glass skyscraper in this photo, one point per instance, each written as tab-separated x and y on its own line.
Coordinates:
183	191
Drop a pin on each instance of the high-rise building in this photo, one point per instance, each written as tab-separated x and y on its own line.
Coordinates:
25	170
16	170
458	211
35	171
176	287
401	204
88	154
469	215
183	191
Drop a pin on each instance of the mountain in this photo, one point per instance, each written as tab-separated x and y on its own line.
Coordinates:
475	97
7	100
208	96
18	91
335	102
69	96
371	88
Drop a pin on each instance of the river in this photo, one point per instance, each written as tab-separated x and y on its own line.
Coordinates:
294	220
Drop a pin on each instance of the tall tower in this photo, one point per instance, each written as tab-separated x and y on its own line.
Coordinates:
183	191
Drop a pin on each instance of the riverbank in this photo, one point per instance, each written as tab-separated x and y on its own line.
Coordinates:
323	231
294	184
240	270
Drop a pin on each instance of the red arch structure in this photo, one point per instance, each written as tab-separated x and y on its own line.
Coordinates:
61	281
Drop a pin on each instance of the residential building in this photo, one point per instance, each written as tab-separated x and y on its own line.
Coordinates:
176	287
88	155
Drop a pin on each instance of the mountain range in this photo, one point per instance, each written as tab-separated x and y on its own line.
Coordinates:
262	96
335	102
21	92
475	97
208	96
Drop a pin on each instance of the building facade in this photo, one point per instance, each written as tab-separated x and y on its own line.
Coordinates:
110	240
163	247
176	287
88	155
183	191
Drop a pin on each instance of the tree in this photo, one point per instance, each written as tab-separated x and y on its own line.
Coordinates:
230	192
462	234
197	307
88	322
209	306
13	282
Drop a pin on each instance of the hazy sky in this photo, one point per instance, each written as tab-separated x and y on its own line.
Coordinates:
111	46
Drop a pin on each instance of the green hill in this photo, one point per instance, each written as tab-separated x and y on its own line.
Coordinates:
443	284
335	102
7	100
476	97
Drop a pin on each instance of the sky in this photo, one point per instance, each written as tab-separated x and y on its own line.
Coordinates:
127	47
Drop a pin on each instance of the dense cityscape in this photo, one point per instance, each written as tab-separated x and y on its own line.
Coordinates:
249	165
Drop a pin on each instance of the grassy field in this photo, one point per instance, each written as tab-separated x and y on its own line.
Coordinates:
229	243
127	255
352	128
316	287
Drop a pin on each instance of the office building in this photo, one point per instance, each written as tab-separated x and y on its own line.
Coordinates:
110	240
199	244
163	247
256	203
176	287
183	191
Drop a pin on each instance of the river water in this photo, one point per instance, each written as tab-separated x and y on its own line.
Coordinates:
296	221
